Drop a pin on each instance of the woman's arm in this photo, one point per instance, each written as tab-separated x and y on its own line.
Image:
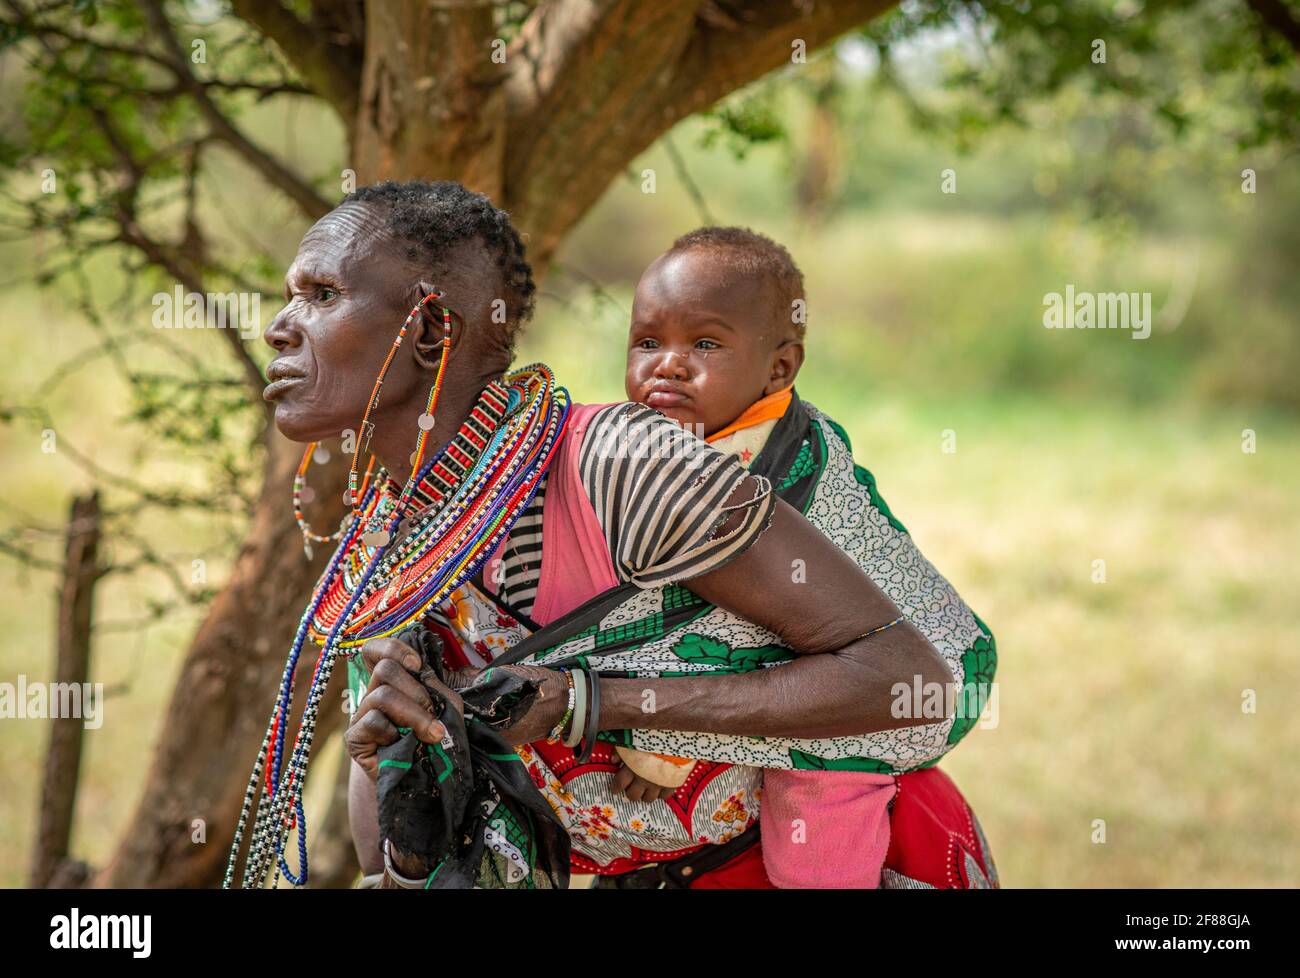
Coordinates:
822	605
841	684
363	817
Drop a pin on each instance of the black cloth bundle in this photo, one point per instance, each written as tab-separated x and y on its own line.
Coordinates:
468	805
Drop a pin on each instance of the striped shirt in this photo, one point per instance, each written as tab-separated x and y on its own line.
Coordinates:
660	496
522	561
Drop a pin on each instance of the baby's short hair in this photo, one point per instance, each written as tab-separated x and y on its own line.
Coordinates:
758	255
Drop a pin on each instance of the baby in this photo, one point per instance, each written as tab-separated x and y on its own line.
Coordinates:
715	344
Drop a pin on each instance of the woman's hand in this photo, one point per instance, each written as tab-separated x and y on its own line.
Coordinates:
394	698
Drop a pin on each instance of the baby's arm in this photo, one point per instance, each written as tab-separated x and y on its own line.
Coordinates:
638	788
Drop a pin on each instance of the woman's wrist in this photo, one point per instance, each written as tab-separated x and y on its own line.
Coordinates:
558	730
410	867
555	700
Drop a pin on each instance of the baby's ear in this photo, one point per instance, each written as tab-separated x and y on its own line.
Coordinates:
786	362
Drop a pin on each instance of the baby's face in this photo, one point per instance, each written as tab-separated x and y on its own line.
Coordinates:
702	339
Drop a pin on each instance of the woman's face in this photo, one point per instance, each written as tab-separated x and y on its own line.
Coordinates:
347	293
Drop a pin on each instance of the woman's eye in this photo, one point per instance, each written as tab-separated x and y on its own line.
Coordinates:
324	293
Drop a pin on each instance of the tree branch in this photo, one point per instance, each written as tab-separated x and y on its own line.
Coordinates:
329	61
72	667
44	30
276	173
171	260
1277	16
584	66
167	498
615	76
758	37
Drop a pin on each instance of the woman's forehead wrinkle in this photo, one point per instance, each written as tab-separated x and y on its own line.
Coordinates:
343	237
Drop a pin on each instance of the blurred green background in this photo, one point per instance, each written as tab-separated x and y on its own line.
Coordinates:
1119	701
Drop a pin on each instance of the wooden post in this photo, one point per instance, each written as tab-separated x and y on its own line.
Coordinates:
63	759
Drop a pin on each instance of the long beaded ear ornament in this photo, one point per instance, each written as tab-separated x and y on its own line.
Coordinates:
373	534
302	494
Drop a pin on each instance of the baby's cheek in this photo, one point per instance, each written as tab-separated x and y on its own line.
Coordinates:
632	378
723	396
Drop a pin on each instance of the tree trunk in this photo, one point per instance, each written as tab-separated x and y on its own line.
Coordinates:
180	833
432	102
63	759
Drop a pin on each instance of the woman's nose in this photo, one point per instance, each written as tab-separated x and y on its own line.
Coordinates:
281	333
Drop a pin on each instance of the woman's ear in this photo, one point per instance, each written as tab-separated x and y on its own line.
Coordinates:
427	330
786	362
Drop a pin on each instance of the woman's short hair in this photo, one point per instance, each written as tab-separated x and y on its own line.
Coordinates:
431	216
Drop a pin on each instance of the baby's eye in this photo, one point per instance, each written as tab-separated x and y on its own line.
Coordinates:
706	345
648	344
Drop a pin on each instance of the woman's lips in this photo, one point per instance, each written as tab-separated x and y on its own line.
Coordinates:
278	387
666	398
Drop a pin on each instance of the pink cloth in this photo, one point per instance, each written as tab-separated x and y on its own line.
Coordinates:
825	829
576	565
819	828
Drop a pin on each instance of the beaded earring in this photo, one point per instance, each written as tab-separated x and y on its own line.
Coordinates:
374	534
300	491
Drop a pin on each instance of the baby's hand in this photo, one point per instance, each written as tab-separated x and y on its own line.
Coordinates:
637	788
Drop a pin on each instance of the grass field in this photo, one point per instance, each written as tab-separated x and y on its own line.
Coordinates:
1119	701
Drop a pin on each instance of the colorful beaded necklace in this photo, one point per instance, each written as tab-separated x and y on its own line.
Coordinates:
470	493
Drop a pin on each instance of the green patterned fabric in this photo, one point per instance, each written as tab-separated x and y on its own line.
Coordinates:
668	631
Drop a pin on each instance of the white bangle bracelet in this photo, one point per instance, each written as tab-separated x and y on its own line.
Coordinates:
404	882
578	724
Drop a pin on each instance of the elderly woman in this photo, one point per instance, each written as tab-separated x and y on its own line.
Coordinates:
680	514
